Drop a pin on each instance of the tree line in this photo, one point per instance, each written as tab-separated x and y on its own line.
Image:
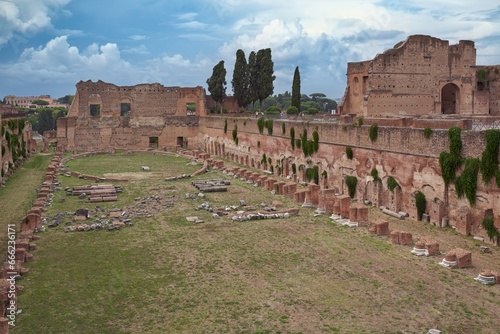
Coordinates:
253	81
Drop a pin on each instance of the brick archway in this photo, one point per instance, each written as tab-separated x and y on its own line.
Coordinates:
450	98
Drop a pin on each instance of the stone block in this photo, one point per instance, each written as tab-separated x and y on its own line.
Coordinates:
270	184
314	190
345	205
395	237
353	214
362	216
405	238
379	227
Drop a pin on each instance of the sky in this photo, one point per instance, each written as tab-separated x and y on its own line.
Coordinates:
48	46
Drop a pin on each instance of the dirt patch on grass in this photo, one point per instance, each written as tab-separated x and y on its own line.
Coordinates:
136	175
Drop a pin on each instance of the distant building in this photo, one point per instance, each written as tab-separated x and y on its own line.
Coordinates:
27	101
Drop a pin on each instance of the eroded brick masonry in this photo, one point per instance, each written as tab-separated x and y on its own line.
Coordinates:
422	82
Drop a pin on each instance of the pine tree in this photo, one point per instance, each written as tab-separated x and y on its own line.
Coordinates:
217	83
240	80
296	89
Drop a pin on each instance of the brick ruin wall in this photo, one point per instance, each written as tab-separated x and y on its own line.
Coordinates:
419	172
409	80
155	111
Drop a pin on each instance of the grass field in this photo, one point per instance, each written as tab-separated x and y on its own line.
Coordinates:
303	274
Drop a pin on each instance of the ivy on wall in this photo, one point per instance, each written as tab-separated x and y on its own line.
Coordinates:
489	159
235	134
451	161
420	203
427	133
373	133
351	182
392	183
489	225
466	183
374	174
313	174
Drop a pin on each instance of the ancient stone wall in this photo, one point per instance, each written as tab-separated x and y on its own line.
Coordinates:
105	116
399	152
422	75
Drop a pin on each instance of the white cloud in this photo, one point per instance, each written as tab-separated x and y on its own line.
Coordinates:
26	18
140	50
60	66
138	37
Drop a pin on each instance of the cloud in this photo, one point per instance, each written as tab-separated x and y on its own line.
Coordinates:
191	25
62	65
24	18
140	50
138	37
187	16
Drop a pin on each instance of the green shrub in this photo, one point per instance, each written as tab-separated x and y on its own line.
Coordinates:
261	122
374	174
292	138
235	134
311	111
264	159
297	143
361	120
348	152
292	110
420	203
315	136
225	126
273	110
351	182
373	132
392	183
427	133
283	128
269	126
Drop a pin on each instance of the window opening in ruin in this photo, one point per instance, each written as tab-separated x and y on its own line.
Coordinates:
180	142
191	108
95	110
449	98
125	109
153	142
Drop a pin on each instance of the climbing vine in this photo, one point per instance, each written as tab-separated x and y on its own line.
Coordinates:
420	203
466	183
451	161
348	152
489	159
351	182
235	134
374	174
392	183
427	133
373	134
491	230
313	174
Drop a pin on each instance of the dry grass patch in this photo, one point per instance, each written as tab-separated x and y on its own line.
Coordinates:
304	274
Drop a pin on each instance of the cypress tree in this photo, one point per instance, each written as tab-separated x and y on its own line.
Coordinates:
296	89
240	79
265	71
